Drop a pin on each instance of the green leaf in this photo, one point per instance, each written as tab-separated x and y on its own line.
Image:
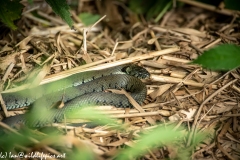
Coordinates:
88	18
10	11
222	57
61	8
90	113
140	7
82	152
157	7
30	1
149	8
159	136
232	4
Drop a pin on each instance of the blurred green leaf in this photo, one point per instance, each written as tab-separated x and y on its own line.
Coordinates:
61	8
10	11
222	57
159	136
157	7
185	152
93	115
88	18
149	8
82	153
232	4
140	6
8	141
30	1
164	10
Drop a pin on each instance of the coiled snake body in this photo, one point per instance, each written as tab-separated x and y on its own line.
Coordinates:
78	90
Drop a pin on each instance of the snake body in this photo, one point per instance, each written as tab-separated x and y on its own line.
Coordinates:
78	90
28	96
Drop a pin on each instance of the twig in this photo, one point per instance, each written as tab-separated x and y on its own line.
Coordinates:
28	15
51	18
213	43
166	79
4	108
208	7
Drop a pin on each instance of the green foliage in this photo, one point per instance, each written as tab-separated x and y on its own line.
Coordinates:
159	137
91	114
9	140
152	8
164	10
185	152
232	4
82	153
61	8
149	8
222	57
10	11
88	18
30	1
164	135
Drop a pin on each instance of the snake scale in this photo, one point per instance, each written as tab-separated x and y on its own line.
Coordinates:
81	89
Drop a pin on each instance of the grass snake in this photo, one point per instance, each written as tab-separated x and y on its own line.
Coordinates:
81	89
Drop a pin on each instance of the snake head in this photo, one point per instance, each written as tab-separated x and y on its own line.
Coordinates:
136	71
